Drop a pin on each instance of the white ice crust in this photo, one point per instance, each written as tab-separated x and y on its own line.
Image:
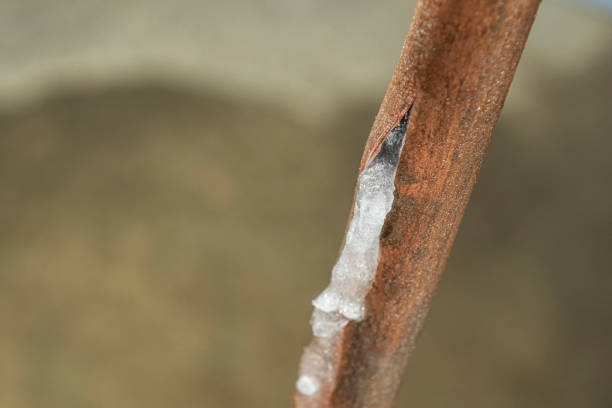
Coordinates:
307	385
352	276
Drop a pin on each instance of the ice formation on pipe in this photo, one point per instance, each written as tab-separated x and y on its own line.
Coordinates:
307	385
352	276
353	273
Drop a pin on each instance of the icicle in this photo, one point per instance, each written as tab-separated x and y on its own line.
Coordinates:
352	276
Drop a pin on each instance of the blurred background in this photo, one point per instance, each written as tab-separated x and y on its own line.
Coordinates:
176	178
